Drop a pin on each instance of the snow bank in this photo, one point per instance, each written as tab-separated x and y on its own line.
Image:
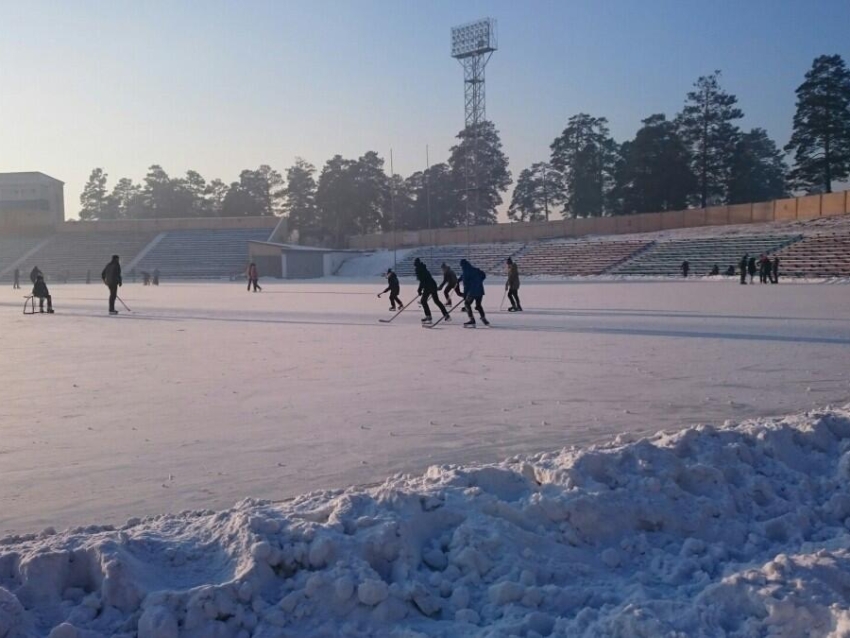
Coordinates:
740	530
371	265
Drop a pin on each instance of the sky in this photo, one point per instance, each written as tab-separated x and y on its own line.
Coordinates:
219	86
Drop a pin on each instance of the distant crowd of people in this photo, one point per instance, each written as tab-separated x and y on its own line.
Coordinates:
767	269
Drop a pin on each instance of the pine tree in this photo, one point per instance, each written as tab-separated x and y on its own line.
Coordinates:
126	200
821	137
538	190
299	198
480	172
655	173
335	191
585	155
93	200
706	126
758	169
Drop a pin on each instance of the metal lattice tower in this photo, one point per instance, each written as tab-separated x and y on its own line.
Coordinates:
472	46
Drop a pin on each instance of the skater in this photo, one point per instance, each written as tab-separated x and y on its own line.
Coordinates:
34	273
742	265
715	271
775	271
512	286
16	284
450	282
393	288
40	291
146	278
111	276
428	290
751	268
730	271
686	267
473	287
156	276
253	277
764	268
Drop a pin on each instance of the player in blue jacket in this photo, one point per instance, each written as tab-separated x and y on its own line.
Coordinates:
473	290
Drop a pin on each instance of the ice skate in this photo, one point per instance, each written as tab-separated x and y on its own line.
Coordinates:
113	312
469	324
426	319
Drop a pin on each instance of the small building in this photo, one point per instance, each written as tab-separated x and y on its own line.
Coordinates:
31	201
290	261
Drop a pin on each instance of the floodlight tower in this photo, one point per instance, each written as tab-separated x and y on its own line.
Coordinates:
472	46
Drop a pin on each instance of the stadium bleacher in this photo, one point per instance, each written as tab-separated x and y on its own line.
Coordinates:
196	254
825	255
74	254
14	247
488	257
665	257
560	257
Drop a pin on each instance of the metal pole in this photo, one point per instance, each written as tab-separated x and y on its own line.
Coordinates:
392	208
428	201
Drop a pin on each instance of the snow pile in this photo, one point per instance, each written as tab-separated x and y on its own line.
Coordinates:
739	531
372	264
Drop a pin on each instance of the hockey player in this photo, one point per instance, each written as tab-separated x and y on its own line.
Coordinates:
111	276
34	273
428	289
450	282
473	288
16	284
512	286
393	288
40	291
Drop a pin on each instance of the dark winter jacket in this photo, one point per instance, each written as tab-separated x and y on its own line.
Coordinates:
34	273
473	279
426	281
742	265
513	277
252	272
449	279
392	284
40	289
751	266
111	275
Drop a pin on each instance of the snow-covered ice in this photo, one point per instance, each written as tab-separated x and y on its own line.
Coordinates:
207	394
593	526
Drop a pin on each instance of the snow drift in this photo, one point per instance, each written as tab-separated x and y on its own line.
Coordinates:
740	530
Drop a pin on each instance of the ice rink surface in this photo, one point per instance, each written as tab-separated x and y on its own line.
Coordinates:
206	394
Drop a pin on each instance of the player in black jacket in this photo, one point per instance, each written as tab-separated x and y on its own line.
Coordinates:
428	289
40	291
393	288
450	282
111	276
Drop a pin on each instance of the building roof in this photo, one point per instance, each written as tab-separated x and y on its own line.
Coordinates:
12	177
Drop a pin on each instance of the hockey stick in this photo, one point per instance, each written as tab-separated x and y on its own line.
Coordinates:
399	312
123	304
502	305
441	319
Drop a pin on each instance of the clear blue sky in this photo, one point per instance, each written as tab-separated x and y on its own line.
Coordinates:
221	86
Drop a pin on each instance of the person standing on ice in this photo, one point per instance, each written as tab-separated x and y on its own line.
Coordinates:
393	288
16	284
742	265
775	271
111	276
512	286
253	277
428	290
473	288
450	282
686	268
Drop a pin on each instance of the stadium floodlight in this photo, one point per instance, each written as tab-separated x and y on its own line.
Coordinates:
472	46
474	38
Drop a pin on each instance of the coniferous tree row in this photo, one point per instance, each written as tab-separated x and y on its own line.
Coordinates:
700	157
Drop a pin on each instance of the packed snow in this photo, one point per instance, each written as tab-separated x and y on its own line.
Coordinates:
736	530
206	394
